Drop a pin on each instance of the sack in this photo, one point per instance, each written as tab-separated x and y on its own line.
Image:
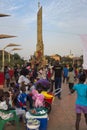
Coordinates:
3	105
5	116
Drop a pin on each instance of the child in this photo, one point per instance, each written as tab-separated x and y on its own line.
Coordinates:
7	75
22	98
3	104
13	91
81	101
20	103
71	78
65	74
7	97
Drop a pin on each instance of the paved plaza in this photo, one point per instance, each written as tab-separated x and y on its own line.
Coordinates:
62	116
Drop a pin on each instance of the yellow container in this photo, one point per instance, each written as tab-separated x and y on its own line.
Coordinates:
47	95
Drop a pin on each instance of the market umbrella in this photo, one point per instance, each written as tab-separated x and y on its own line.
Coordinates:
4	15
11	45
14	49
2	36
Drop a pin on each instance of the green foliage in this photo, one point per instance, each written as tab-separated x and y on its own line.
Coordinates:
16	56
16	59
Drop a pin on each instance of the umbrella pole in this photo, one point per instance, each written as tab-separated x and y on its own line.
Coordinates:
3	60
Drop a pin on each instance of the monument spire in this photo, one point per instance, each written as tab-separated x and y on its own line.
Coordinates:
39	45
38	4
39	57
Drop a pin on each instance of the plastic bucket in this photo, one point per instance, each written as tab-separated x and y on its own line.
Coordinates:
48	96
32	127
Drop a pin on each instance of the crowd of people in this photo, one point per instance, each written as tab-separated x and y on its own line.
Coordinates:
23	93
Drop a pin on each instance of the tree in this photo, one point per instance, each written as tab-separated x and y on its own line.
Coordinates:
16	56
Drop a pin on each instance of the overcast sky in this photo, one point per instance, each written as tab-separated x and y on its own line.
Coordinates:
63	21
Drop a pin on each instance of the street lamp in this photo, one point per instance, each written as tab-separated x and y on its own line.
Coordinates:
3	51
14	49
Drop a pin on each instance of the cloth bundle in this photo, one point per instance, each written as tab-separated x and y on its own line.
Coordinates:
38	98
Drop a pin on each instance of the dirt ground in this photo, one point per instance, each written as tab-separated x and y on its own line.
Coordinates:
62	116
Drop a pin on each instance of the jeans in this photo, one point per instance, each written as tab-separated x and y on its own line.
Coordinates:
58	81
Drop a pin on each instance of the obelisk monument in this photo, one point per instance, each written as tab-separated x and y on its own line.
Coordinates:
39	46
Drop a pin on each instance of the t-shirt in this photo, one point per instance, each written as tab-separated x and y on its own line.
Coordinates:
81	90
25	80
22	98
65	71
58	71
71	76
7	76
